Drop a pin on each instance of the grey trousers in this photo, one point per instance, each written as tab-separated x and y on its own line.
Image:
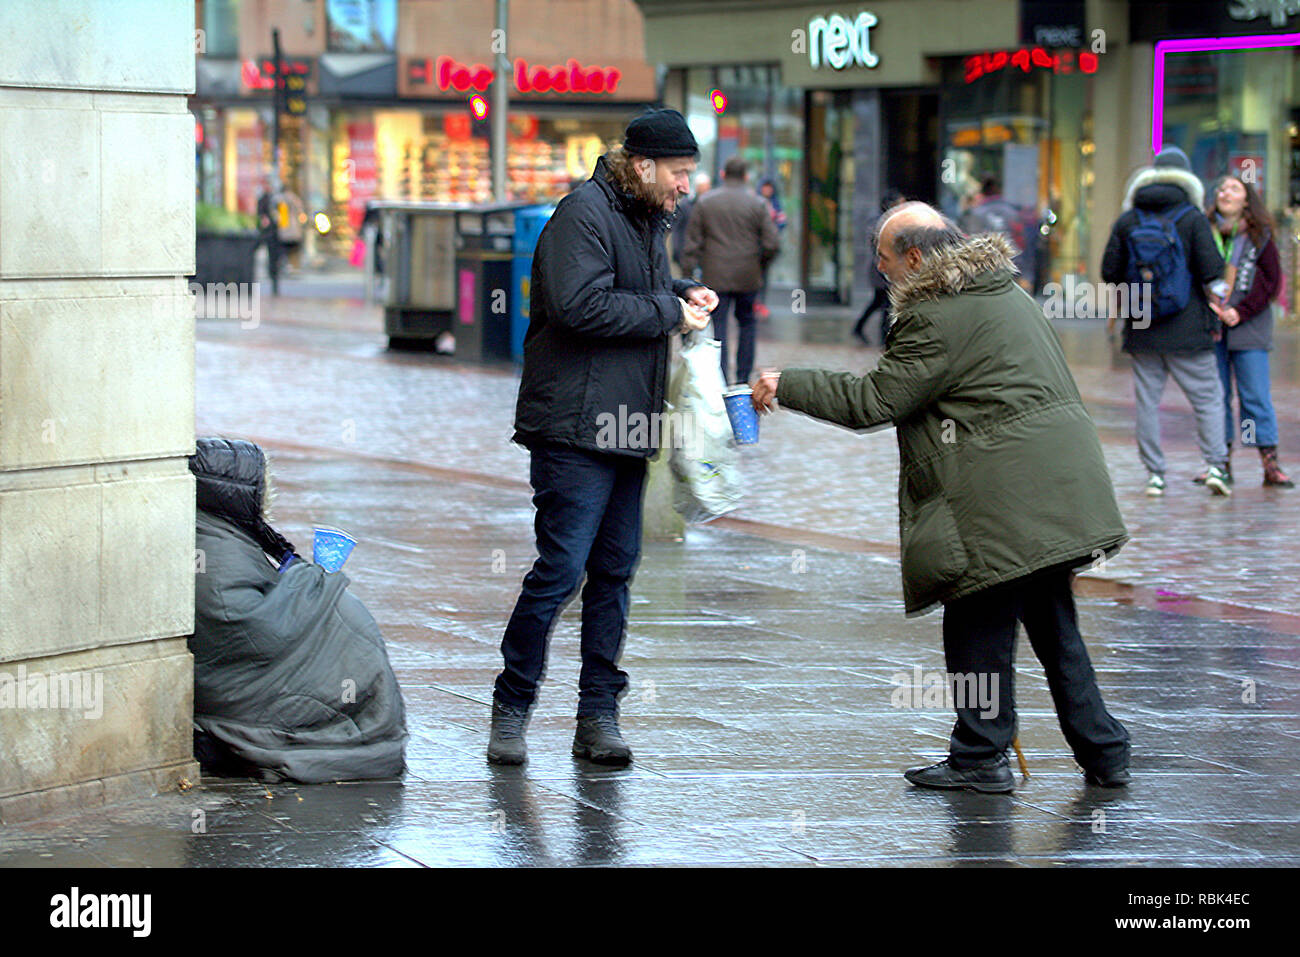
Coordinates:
1197	374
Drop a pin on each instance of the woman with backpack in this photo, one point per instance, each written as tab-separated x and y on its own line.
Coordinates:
1243	231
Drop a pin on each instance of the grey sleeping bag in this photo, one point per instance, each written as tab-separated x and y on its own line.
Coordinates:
290	671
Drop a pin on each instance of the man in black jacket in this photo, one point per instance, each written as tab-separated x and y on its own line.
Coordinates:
1182	344
604	307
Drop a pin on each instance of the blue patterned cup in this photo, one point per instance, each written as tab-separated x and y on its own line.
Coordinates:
330	547
744	418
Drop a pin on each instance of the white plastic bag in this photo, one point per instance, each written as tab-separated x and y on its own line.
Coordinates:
703	456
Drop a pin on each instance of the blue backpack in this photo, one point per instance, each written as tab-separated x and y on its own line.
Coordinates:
1156	255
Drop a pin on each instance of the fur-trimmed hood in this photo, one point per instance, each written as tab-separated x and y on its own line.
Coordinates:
1188	182
951	271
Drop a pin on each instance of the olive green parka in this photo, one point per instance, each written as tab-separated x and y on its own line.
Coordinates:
1002	472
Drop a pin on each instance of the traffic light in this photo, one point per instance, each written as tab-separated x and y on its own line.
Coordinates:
480	126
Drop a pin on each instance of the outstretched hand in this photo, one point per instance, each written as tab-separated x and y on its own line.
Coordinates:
765	391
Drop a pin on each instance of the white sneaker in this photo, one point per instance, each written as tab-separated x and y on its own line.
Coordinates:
1156	485
1218	481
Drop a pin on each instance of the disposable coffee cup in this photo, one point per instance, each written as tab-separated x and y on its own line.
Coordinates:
740	410
330	547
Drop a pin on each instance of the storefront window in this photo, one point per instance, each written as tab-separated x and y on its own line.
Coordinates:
701	116
763	122
1031	132
361	26
1231	112
787	166
221	28
830	193
247	157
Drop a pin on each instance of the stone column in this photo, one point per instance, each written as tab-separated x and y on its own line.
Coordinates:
97	553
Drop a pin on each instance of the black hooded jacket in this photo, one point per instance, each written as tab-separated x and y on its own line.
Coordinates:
1160	190
603	308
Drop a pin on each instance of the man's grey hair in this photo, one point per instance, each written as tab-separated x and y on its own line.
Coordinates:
927	238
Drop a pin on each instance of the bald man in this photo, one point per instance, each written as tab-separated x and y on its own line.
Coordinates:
1003	490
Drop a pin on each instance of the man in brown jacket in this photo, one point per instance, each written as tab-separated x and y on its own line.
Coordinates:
731	237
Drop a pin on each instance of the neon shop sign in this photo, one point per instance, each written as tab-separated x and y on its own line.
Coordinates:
1034	58
448	74
840	41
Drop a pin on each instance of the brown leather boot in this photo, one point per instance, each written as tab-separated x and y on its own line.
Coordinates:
1273	474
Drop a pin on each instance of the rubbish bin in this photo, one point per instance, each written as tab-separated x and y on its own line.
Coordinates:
528	227
419	254
485	246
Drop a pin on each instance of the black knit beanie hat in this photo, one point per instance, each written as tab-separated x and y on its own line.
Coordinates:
657	133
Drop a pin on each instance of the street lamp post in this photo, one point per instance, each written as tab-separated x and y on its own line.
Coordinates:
500	99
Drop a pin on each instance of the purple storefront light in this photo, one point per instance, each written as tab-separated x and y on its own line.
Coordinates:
1202	45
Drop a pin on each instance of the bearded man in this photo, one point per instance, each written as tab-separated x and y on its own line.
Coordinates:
603	309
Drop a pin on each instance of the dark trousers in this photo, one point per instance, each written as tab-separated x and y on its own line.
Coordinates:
879	301
979	637
588	522
274	254
748	331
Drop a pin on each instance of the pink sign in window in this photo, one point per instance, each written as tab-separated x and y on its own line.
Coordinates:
465	298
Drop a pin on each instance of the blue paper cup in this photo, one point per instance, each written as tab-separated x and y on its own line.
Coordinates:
744	418
331	547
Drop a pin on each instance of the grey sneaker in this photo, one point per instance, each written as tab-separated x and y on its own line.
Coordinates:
598	739
1156	485
1218	481
506	745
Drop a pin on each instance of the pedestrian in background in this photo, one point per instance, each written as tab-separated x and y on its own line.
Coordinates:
731	237
1162	198
1003	487
990	212
602	312
880	300
767	189
1243	231
268	227
703	182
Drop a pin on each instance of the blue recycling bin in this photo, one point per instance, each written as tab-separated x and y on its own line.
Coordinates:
528	227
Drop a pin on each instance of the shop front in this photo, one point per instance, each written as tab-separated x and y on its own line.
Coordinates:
838	105
1226	90
392	101
1229	94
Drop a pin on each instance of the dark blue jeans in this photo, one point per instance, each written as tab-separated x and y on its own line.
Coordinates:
588	522
748	331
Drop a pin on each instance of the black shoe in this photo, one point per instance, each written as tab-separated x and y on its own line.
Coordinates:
993	777
1116	778
598	739
506	745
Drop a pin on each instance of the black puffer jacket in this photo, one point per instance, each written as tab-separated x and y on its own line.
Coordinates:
1159	190
603	307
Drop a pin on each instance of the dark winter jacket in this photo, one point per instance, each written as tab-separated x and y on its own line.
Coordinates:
1001	473
1255	286
1160	190
603	307
731	236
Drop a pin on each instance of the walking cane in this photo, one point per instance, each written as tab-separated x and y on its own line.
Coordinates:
1020	756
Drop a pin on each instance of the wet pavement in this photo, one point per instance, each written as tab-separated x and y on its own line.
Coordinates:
765	650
